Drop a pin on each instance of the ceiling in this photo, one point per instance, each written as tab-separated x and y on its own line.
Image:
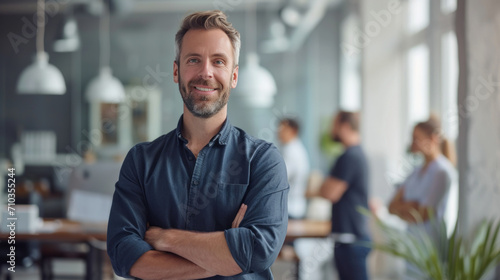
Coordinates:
147	6
157	6
311	12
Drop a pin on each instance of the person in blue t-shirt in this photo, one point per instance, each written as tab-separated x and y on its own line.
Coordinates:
347	188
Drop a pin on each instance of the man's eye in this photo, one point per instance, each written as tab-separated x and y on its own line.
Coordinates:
192	60
219	62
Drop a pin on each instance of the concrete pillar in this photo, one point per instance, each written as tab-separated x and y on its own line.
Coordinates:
478	30
478	33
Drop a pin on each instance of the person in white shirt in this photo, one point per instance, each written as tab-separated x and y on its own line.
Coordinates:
425	193
297	166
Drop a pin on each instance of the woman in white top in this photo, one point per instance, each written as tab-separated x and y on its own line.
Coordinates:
427	188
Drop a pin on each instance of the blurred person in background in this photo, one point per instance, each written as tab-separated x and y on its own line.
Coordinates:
297	166
425	191
347	188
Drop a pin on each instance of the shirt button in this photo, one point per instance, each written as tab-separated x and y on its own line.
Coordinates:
195	182
190	158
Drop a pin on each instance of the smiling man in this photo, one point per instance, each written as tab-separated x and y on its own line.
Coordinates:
205	200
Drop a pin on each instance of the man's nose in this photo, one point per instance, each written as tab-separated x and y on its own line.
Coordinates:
206	71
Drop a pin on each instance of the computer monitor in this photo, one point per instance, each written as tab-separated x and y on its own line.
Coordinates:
91	190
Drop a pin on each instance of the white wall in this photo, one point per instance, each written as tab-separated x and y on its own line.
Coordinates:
383	117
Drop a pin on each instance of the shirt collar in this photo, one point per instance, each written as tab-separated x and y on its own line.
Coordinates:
222	136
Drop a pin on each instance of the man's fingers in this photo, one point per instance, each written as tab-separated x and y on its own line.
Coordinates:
239	216
235	221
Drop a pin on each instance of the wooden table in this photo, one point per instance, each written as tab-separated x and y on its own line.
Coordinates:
63	230
307	229
71	231
302	229
57	231
75	232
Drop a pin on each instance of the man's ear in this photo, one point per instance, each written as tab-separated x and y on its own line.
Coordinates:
234	78
176	72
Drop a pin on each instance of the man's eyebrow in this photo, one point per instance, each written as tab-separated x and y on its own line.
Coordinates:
223	55
191	54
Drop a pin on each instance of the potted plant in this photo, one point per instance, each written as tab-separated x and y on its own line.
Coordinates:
445	257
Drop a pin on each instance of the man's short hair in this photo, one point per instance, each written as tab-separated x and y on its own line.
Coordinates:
350	118
292	123
208	20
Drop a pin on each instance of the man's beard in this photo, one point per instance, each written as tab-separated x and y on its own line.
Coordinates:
201	106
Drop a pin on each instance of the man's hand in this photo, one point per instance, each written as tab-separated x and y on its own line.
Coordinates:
156	237
239	216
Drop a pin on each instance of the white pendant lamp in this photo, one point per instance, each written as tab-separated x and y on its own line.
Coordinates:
105	88
41	77
256	84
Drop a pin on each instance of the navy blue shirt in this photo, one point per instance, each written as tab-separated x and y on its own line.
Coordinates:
162	183
351	167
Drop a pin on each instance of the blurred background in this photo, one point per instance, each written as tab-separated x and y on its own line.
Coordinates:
111	68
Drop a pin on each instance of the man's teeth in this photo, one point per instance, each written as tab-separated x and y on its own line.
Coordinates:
204	89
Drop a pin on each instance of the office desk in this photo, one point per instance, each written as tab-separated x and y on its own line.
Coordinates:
307	229
66	231
62	230
74	232
71	231
302	229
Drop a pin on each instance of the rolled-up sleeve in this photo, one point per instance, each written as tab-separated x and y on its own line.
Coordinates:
128	218
257	242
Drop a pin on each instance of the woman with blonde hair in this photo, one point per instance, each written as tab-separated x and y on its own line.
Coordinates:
425	191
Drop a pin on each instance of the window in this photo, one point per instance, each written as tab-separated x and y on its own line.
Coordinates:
418	15
449	76
350	79
432	64
448	6
418	84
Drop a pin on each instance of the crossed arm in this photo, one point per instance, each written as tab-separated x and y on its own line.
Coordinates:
181	254
333	189
410	211
155	253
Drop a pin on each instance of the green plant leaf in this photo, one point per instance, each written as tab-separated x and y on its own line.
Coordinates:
450	258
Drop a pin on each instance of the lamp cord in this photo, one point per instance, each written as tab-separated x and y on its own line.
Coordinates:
251	27
40	31
104	37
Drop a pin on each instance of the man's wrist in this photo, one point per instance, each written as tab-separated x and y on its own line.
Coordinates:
163	245
169	238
